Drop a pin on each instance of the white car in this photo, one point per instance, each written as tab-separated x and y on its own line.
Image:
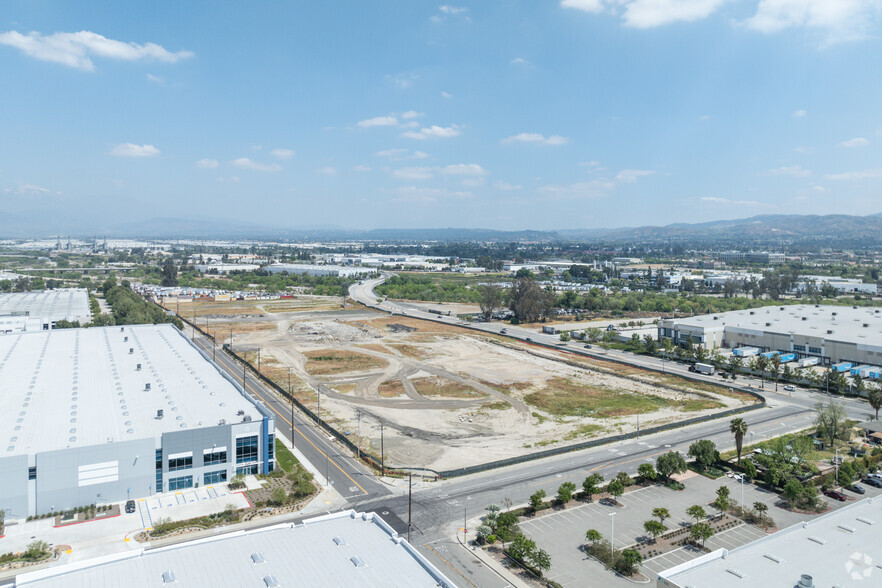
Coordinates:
789	388
738	477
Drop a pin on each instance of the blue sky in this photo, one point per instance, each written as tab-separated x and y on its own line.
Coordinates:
507	114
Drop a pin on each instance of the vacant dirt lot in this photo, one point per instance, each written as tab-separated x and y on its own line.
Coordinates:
448	397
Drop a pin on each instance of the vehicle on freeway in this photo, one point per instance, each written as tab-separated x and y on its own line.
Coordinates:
503	331
529	340
835	494
130	506
789	388
856	489
874	482
587	346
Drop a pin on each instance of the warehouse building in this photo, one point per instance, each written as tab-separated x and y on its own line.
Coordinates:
341	549
101	415
320	270
841	548
833	334
39	311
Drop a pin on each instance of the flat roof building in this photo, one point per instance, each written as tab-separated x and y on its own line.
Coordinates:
106	414
320	270
39	311
841	548
831	333
342	549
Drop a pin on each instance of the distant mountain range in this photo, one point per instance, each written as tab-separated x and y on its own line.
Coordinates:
767	230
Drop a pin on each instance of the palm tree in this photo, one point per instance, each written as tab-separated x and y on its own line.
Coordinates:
776	369
874	397
738	427
762	363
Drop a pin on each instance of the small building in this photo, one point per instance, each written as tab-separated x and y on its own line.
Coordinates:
40	310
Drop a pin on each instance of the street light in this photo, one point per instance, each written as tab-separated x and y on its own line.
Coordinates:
612	536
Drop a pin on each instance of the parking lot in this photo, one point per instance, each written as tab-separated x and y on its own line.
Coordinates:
562	532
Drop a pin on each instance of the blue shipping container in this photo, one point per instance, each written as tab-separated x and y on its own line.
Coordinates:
842	367
788	357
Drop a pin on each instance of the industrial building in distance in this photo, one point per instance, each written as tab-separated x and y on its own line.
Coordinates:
832	334
100	415
39	311
321	270
841	548
341	549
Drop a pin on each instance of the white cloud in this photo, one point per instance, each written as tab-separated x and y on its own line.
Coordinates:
629	176
803	149
839	20
704	117
414	173
520	61
361	168
247	163
327	171
537	138
454	10
585	5
378	121
417	194
132	150
401	154
411	124
869	174
645	14
402	80
856	142
427	172
793	171
433	132
446	95
592	189
799	113
505	186
473	182
156	79
32	189
282	153
411	114
77	49
207	163
446	11
716	200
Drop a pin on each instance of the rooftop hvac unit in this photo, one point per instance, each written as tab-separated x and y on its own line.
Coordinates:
768	324
866	325
240	413
829	332
147	387
159	414
246	418
126	339
121	329
751	312
805	318
834	314
138	368
131	350
806	581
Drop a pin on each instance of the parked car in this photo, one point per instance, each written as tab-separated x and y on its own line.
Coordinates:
856	489
130	506
835	494
874	482
789	388
738	477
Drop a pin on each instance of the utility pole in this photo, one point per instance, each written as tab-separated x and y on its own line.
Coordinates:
244	371
213	349
231	338
382	451
358	436
258	360
465	529
291	395
318	395
638	425
837	466
612	536
409	502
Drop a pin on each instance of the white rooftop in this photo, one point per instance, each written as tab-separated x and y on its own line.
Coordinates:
63	304
841	548
845	322
79	387
341	550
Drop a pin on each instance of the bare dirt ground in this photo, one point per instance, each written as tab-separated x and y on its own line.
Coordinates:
449	397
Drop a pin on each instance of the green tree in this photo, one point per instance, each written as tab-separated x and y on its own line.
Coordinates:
776	368
521	548
701	531
482	532
721	503
630	559
278	495
528	301
738	427
704	452
749	469
536	499
761	364
830	420
654	528
565	492
661	513
591	484
169	273
541	560
670	463
615	489
593	535
792	492
624	478
846	474
874	397
36	550
491	299
761	508
646	472
697	512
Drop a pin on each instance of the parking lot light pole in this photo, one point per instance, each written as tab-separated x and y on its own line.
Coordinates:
742	494
612	538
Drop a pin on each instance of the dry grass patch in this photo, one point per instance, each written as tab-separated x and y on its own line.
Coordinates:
344	388
374	347
436	386
333	361
391	389
412	351
565	397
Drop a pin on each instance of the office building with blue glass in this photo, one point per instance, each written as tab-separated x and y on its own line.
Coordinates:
101	415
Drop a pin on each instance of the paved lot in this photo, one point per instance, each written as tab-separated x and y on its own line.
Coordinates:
561	532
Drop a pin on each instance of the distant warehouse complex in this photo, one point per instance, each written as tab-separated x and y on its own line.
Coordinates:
833	334
101	415
320	270
39	311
